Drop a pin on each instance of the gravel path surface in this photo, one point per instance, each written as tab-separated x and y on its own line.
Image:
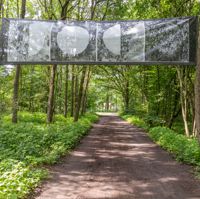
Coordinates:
118	161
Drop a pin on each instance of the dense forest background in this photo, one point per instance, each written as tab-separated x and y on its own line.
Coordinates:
163	95
46	109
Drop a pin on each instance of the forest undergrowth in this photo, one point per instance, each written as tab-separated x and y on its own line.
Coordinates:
30	144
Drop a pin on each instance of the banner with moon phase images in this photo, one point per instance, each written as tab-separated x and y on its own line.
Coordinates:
139	42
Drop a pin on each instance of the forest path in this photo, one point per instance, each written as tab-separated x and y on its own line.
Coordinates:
118	161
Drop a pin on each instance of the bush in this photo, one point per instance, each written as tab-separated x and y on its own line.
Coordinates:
185	149
135	120
30	143
16	178
153	121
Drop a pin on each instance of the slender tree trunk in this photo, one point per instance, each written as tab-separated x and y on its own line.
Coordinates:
17	8
80	95
60	82
56	93
116	105
1	8
107	102
17	76
191	99
175	112
23	9
66	90
84	101
72	92
50	108
126	96
31	91
158	89
197	90
47	80
76	90
7	9
15	94
183	96
84	105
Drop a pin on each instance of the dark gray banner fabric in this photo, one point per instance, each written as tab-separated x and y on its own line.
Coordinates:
162	41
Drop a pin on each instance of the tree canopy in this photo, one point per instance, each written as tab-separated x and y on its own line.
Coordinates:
50	103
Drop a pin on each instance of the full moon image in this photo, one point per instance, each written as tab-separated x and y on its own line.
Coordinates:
73	40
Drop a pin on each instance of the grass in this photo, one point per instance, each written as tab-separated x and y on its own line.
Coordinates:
29	144
184	149
133	119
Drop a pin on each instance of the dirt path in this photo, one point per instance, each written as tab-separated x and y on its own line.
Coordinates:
117	160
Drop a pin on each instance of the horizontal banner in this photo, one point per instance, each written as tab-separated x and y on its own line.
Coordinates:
163	41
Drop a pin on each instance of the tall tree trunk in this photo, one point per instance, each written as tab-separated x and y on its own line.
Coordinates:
175	111
72	92
107	101
50	108
23	9
31	108
56	93
126	96
66	90
84	105
60	82
17	8
84	100
7	9
158	89
184	98
1	8
76	91
17	75
197	91
15	94
80	95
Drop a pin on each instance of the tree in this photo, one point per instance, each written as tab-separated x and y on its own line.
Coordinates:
50	109
84	98
72	90
197	91
184	98
66	90
80	95
17	75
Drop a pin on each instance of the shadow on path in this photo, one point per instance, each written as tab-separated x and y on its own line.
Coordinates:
118	161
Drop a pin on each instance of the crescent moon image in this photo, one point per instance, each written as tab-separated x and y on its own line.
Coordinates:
112	39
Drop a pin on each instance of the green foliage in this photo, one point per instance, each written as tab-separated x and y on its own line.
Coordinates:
185	149
178	127
30	143
16	178
153	120
133	119
145	122
151	91
26	117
